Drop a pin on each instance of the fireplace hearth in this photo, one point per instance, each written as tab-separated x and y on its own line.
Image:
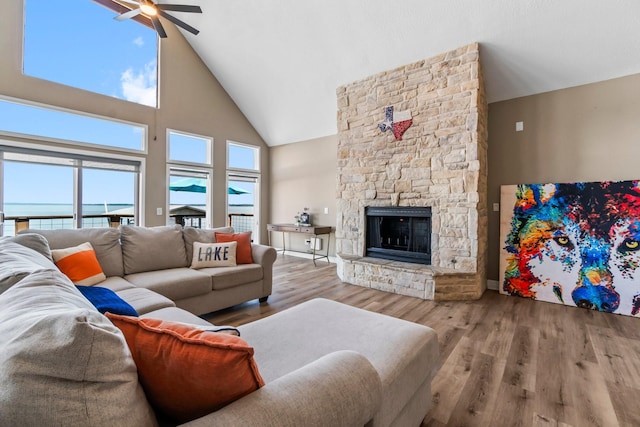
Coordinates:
399	233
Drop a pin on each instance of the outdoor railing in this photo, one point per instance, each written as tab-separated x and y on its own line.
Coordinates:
239	222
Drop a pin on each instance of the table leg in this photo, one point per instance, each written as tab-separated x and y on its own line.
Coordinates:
283	244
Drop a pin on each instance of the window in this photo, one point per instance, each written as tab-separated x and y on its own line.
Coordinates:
190	159
78	43
41	121
241	156
49	190
243	184
189	148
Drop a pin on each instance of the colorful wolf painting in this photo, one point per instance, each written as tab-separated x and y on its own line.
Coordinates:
575	244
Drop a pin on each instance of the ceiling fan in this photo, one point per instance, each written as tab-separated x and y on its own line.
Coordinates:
152	10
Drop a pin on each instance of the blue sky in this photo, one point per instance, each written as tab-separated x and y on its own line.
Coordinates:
78	43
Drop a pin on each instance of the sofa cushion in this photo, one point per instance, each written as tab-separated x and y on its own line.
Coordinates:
104	300
202	235
173	283
143	300
188	372
229	277
408	357
243	253
62	362
214	255
105	241
116	284
34	241
17	262
79	263
152	248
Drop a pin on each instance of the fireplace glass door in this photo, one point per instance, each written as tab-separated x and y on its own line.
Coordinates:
399	233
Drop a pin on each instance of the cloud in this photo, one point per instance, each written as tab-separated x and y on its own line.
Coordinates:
138	41
141	85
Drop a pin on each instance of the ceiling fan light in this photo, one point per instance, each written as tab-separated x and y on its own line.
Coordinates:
148	9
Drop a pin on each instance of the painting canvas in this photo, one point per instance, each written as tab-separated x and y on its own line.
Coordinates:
576	244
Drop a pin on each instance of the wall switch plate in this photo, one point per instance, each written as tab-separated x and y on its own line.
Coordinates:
519	126
326	210
158	211
496	207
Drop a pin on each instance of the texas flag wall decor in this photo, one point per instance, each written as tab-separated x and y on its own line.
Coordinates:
396	121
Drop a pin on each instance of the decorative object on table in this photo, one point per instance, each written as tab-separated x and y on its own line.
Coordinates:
396	121
575	244
305	218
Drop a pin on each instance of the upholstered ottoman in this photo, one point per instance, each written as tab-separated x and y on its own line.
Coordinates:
404	354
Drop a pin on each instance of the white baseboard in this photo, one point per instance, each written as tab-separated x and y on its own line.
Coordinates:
493	285
305	255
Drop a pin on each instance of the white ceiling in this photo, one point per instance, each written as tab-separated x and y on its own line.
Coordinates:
282	60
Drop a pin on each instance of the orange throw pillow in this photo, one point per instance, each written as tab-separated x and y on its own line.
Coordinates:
187	371
79	264
243	251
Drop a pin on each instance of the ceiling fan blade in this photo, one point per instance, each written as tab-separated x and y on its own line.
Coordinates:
180	8
178	22
128	15
158	26
131	2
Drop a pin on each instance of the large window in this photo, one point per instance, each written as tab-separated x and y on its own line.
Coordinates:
40	121
243	188
50	190
190	159
79	44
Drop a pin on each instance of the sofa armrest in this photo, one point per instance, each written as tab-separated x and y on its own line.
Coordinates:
265	256
339	389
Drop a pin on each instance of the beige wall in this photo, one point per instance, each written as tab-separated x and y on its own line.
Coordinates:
586	133
191	100
304	175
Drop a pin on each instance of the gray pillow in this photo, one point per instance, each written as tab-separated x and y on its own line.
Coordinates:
105	241
152	248
33	241
202	235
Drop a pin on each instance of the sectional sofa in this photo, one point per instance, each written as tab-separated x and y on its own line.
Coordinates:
320	363
152	265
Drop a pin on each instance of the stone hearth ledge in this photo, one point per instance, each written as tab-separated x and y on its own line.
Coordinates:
404	278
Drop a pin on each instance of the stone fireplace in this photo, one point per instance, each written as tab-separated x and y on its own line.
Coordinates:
439	166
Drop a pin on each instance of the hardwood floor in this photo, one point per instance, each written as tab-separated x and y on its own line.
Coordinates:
506	361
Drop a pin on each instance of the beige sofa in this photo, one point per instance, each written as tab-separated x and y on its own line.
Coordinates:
137	260
324	363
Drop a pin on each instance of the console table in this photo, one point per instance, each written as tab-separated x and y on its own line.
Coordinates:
313	230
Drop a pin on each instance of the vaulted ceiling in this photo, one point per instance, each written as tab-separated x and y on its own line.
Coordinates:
281	61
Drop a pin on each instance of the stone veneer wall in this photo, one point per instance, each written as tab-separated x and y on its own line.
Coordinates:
440	162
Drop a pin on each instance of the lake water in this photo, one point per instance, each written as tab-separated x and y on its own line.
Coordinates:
61	209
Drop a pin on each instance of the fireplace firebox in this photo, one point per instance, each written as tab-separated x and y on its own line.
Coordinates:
399	233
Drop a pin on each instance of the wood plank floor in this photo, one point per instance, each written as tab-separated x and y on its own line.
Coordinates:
506	361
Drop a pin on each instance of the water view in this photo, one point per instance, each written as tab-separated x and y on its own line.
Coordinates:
48	216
